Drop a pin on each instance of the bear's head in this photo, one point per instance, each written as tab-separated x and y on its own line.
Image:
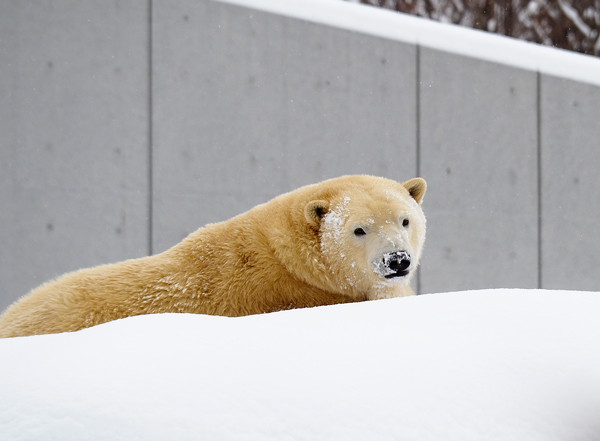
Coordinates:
371	233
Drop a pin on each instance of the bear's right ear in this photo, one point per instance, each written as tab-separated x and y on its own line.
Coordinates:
314	212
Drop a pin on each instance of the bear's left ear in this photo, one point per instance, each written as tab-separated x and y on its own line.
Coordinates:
314	212
416	188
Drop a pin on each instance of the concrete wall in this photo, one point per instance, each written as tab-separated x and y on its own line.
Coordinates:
74	138
125	125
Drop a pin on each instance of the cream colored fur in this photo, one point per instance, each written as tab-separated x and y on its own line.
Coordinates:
298	250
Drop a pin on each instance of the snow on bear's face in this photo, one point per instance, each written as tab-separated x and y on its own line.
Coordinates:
372	241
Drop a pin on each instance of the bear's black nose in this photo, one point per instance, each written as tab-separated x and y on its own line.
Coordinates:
398	262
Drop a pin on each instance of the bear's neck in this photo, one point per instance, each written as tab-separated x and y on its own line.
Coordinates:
210	273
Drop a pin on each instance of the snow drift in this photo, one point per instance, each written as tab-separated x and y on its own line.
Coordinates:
492	364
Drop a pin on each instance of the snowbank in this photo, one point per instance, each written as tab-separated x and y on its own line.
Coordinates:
428	33
494	365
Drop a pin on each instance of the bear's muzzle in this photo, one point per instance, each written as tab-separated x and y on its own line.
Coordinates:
395	264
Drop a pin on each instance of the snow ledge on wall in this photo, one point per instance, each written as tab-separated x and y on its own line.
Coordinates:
427	33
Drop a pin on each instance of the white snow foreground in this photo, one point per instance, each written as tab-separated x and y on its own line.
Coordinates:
492	364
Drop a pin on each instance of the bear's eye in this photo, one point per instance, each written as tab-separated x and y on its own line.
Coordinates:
405	222
359	232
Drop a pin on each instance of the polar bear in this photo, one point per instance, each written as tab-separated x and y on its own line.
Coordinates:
346	239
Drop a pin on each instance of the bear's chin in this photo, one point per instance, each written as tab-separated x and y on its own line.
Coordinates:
389	289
